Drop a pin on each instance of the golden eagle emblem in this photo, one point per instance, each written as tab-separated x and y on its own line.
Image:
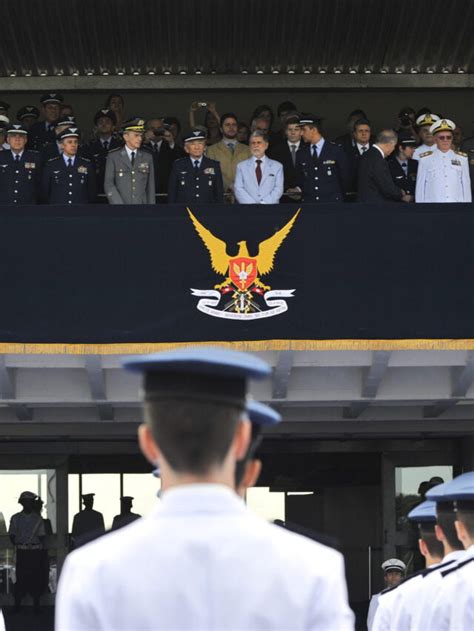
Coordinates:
242	271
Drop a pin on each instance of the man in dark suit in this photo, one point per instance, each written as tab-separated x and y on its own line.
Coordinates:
402	166
346	141
98	149
68	179
42	132
163	156
375	179
321	166
196	178
285	152
360	144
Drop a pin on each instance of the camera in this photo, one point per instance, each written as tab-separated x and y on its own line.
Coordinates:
202	104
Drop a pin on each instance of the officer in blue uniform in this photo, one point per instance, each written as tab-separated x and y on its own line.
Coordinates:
321	166
19	169
196	178
28	115
402	165
53	149
69	178
42	132
98	149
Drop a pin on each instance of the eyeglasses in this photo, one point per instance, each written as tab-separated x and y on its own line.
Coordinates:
445	137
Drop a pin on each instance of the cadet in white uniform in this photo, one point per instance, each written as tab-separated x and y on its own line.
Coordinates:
410	611
201	560
443	174
392	601
394	572
453	601
424	122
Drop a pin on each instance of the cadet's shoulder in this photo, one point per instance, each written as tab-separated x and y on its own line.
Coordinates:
461	153
113	152
83	159
52	160
210	162
425	154
457	567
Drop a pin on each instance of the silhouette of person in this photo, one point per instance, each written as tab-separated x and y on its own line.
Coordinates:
88	523
126	516
27	535
44	569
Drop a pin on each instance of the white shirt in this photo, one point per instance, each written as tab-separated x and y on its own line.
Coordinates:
202	561
129	153
443	177
20	153
193	160
412	613
296	144
381	151
363	148
453	599
66	158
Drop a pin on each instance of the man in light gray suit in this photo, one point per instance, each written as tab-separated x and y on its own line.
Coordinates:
129	177
258	180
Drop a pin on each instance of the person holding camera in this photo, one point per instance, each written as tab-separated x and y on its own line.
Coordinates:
212	120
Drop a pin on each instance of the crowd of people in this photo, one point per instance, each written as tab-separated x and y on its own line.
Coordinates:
45	158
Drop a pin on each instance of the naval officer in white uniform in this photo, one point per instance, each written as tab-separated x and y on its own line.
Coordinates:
201	560
443	174
452	604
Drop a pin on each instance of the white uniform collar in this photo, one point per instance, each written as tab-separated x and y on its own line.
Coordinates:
200	498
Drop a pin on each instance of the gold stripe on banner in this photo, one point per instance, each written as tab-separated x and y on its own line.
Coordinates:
251	345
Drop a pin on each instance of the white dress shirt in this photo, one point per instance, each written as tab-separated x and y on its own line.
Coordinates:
202	561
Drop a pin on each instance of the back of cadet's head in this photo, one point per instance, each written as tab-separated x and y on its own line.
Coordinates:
465	514
445	517
428	535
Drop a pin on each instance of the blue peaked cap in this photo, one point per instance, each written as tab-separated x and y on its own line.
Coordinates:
262	414
209	361
424	512
461	488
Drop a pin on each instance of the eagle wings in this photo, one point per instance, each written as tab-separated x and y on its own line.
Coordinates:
267	249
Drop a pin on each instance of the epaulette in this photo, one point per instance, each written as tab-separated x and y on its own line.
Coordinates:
405	580
429	570
82	158
425	153
55	158
33	151
458	567
116	149
461	153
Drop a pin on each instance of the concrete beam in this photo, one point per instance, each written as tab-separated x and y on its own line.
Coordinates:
462	379
371	384
96	378
254	82
7	391
281	374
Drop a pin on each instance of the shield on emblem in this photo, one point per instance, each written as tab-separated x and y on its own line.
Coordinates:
243	272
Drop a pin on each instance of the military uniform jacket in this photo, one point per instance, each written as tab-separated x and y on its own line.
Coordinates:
125	184
39	136
375	180
443	177
322	179
202	560
163	159
98	156
63	185
467	146
405	182
19	183
205	187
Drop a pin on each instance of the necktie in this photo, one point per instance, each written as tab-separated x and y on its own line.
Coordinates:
69	163
404	167
105	144
231	146
258	172
363	149
133	158
196	167
315	152
155	147
293	154
17	158
50	127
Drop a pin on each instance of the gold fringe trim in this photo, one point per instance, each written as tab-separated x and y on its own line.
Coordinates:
252	345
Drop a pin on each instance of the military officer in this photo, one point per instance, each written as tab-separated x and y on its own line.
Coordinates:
443	174
28	115
19	169
68	178
321	166
393	574
42	132
402	166
53	149
129	177
87	523
424	122
98	148
125	516
234	569
196	178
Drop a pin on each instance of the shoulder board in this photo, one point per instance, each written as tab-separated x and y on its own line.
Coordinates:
461	153
114	150
33	151
458	567
425	153
53	159
429	570
85	159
